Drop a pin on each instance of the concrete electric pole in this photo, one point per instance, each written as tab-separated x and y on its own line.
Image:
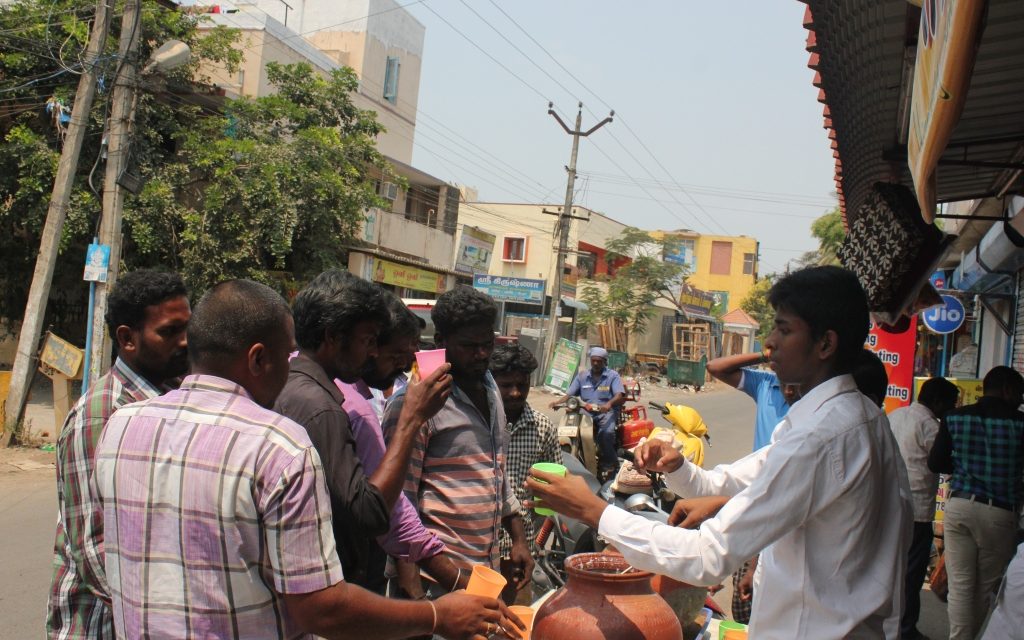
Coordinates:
46	261
564	220
122	113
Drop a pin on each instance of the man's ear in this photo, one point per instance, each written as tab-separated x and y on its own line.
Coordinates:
125	338
828	345
257	359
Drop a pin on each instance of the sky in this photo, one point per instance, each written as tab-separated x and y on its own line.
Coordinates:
717	126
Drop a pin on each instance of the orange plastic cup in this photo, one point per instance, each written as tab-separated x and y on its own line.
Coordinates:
526	615
485	581
428	361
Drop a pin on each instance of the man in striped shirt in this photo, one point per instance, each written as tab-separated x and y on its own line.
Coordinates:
457	475
147	313
217	518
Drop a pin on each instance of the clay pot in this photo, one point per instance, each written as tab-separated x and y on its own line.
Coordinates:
599	601
685	599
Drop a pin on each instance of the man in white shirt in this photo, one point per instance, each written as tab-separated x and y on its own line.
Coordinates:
915	428
827	503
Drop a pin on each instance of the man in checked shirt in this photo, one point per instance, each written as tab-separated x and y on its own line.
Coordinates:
532	439
147	314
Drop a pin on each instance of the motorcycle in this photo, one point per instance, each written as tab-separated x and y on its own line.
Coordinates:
576	431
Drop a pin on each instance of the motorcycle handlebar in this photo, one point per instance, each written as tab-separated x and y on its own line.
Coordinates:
660	407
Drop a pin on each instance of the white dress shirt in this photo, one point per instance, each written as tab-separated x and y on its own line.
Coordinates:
915	428
827	505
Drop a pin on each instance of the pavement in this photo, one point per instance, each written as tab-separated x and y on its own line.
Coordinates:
28	502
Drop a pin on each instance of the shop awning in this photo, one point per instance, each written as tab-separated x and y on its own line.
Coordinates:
864	56
574	303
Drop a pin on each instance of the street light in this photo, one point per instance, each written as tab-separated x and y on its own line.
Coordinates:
170	55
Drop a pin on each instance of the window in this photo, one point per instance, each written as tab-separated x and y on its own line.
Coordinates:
391	80
749	260
514	249
721	258
587	264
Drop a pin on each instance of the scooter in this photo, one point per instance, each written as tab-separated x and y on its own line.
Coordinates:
576	431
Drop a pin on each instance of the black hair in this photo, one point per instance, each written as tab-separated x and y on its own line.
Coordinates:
463	307
938	391
999	378
827	298
335	302
232	316
403	322
869	374
136	290
512	358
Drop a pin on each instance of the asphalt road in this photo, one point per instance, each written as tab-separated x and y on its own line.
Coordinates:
28	508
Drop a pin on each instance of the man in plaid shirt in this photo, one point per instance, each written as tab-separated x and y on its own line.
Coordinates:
217	517
982	446
146	316
531	439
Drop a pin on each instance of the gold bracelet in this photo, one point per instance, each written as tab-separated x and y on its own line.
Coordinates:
433	610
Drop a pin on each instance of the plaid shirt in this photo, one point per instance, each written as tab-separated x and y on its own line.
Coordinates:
532	439
987	449
75	609
214	507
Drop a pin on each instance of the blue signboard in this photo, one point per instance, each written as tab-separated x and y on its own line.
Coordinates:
945	318
510	289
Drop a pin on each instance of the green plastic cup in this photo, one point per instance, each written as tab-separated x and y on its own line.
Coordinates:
729	625
546	467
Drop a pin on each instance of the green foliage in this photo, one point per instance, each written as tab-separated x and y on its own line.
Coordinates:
625	300
277	185
756	304
268	188
829	231
40	57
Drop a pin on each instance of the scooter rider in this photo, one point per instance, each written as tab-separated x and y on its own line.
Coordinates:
601	390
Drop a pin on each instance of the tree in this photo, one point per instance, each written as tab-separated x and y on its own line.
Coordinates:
624	301
272	190
756	304
39	58
830	233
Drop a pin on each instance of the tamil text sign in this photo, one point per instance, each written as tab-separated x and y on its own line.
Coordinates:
564	364
502	289
401	275
693	300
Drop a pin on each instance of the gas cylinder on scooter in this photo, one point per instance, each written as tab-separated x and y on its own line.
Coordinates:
635	428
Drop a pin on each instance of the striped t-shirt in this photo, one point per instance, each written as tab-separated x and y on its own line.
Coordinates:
457	477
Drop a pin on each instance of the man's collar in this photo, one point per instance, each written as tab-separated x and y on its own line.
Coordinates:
810	402
205	382
124	371
304	365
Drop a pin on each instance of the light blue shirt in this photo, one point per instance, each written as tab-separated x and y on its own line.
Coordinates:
764	388
599	390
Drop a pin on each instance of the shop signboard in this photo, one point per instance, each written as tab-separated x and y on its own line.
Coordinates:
944	318
97	263
564	364
475	250
896	351
401	275
946	45
507	289
693	300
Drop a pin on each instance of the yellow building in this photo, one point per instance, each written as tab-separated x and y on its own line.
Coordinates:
725	266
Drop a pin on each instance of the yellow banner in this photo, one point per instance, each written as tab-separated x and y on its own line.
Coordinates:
970	389
401	275
945	57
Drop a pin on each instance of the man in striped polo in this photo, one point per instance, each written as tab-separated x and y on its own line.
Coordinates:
457	476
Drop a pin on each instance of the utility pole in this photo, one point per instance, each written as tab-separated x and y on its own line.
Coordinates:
564	220
42	277
122	113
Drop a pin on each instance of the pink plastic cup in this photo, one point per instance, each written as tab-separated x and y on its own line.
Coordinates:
428	361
